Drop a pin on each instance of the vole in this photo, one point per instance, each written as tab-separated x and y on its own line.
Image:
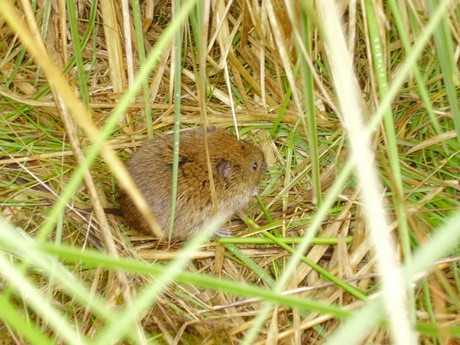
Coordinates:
237	168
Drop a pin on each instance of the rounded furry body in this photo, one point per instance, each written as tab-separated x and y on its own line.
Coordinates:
237	168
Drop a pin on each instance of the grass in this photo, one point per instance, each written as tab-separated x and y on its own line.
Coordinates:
331	252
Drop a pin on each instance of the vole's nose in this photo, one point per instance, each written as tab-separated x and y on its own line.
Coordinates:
255	191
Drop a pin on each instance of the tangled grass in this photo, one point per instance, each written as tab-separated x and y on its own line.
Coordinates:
354	238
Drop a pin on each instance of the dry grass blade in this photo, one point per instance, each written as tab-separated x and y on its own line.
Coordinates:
353	113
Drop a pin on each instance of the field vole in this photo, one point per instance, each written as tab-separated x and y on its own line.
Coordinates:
237	168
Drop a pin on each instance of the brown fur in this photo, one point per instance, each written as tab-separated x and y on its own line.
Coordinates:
237	168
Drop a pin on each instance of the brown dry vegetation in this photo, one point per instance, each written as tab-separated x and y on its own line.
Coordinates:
44	137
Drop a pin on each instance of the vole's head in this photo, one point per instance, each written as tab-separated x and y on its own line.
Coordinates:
239	166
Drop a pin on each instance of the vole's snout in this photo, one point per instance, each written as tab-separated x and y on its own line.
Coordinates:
255	191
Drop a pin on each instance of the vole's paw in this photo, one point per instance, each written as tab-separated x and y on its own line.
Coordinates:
222	232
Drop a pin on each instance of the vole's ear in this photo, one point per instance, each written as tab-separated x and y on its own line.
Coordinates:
224	169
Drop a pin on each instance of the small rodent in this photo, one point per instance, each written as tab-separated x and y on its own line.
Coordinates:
237	168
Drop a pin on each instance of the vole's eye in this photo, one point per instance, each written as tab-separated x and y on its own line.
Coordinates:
255	166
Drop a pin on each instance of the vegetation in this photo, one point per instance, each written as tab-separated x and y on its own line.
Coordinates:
354	237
